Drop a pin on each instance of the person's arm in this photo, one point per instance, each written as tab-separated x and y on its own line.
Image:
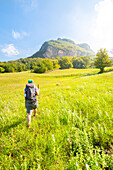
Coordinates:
36	91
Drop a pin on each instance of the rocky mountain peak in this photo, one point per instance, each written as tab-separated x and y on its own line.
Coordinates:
63	47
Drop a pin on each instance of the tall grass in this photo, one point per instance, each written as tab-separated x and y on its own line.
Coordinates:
74	129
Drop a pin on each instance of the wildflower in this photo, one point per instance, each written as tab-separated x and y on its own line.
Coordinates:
53	137
76	163
96	164
67	139
78	129
69	111
73	113
87	166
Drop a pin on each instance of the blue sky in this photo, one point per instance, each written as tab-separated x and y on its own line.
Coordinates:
26	24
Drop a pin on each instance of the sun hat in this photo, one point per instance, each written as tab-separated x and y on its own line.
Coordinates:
30	81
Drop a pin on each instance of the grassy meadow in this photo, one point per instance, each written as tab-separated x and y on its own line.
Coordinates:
74	129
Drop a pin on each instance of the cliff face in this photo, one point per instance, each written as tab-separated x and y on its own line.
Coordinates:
63	47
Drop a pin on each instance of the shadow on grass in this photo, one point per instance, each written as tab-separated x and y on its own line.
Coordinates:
87	75
95	74
8	127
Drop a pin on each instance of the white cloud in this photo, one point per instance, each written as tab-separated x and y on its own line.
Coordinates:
28	5
10	50
24	34
17	35
103	29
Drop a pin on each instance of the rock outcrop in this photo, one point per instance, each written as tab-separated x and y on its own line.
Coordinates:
63	47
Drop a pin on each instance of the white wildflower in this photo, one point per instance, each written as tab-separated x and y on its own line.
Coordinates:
73	113
76	163
53	137
87	166
96	164
67	139
69	111
107	114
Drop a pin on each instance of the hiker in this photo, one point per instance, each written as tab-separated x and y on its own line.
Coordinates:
31	103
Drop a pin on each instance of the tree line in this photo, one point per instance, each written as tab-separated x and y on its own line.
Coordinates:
40	65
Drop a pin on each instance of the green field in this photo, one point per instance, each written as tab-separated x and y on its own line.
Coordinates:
74	129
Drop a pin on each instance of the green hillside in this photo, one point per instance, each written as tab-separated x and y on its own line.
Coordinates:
65	45
85	46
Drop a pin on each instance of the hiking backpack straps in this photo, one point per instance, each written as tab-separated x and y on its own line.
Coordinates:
30	92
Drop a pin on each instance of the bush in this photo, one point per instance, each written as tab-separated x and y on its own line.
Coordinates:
81	62
48	64
65	63
40	69
2	70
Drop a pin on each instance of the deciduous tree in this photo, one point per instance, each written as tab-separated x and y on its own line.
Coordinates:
102	60
65	63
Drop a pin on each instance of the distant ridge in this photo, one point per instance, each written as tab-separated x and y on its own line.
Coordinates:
63	47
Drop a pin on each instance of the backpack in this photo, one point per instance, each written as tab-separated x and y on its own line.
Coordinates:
30	92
